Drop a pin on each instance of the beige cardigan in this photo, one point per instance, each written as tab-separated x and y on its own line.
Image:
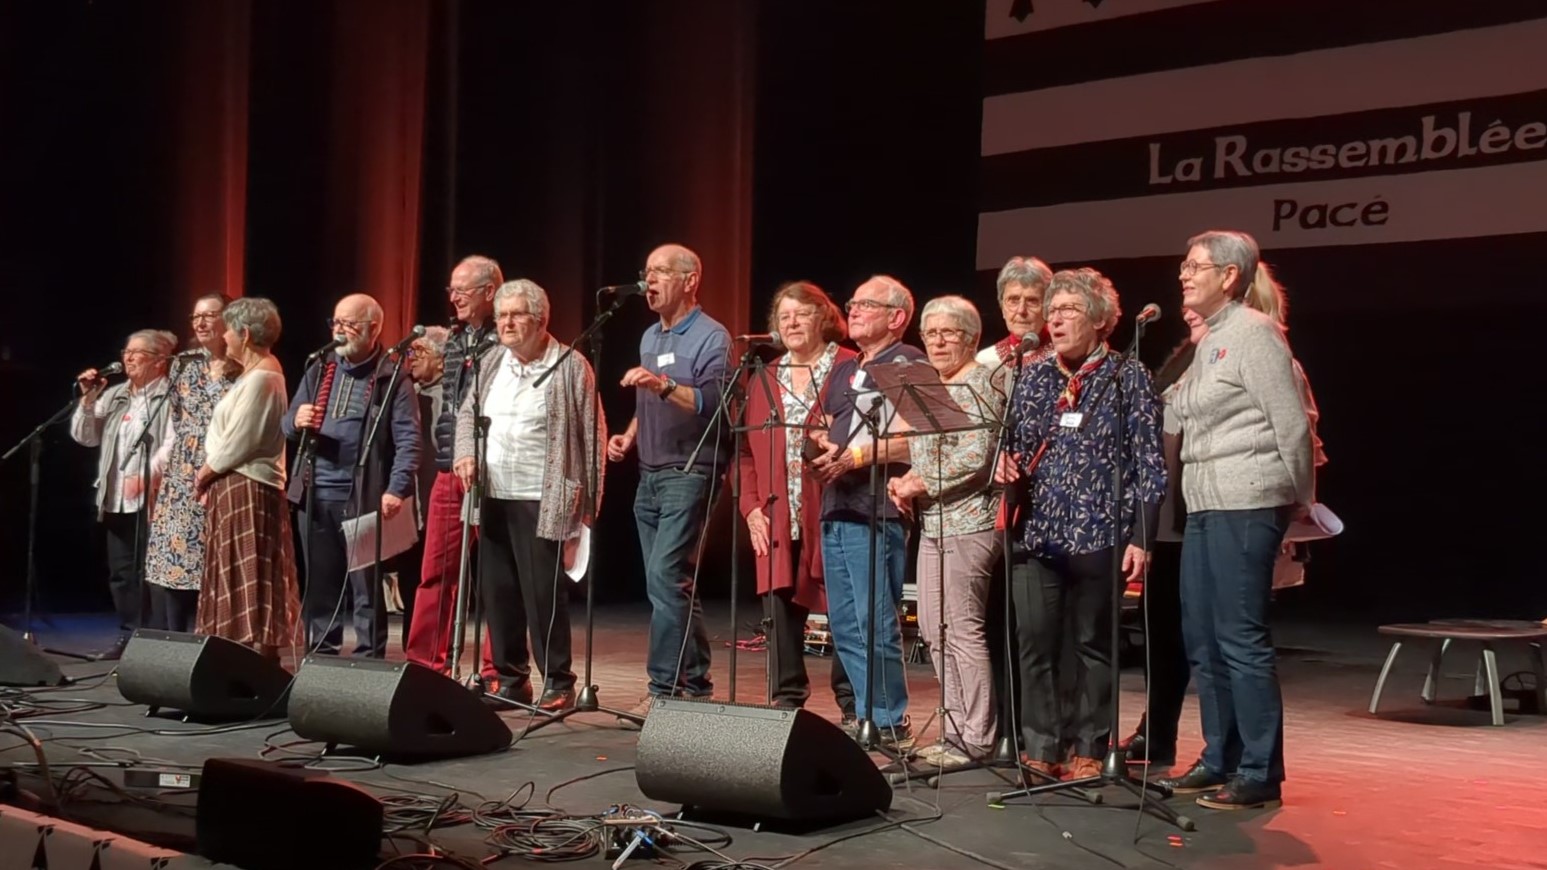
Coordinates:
577	429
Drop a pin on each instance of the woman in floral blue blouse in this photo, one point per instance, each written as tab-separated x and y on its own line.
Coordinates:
1063	444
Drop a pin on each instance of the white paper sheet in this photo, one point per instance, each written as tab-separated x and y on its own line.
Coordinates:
398	534
577	570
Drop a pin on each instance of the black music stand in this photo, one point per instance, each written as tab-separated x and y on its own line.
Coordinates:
1114	769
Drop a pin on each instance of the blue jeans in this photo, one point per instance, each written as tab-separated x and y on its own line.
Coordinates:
845	558
1227	579
670	508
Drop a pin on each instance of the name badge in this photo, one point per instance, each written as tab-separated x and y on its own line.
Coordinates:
665	360
1071	419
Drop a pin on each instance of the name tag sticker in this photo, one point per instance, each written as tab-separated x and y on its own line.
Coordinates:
1071	419
665	360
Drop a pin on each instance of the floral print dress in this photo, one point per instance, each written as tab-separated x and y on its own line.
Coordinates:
174	556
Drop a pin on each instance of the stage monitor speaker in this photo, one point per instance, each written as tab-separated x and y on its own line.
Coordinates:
22	664
758	762
204	677
397	709
260	815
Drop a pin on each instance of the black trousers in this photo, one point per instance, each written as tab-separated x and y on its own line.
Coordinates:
1053	597
524	592
1166	680
325	603
125	567
173	609
785	627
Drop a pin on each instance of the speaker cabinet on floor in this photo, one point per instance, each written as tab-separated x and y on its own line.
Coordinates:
204	677
757	762
259	815
396	709
22	664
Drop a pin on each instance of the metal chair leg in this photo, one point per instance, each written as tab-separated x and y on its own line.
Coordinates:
1380	683
1431	682
1495	697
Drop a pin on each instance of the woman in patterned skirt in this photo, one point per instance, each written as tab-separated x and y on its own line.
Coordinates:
174	560
249	592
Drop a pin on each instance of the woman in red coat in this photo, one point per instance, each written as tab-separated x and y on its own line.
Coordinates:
781	400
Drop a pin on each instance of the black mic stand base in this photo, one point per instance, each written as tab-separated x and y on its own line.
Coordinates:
585	702
1114	772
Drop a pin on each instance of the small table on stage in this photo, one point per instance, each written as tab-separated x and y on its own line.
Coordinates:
1487	632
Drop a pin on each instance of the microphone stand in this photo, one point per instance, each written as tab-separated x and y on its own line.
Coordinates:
866	733
1114	769
375	600
34	442
587	699
142	516
727	395
306	460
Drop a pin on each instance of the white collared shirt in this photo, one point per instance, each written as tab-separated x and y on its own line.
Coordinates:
518	427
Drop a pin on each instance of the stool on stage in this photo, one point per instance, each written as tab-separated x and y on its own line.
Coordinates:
1488	633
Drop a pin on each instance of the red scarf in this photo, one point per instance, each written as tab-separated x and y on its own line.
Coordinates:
1069	399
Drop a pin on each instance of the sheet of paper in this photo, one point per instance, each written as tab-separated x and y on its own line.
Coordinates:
577	570
398	534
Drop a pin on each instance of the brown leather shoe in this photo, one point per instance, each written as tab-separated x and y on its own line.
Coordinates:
1080	767
1049	769
555	700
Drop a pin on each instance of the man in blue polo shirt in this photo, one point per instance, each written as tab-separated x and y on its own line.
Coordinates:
879	314
683	365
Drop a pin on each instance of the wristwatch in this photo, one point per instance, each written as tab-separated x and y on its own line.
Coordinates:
667	387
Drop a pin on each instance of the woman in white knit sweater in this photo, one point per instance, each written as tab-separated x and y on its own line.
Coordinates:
249	593
1247	470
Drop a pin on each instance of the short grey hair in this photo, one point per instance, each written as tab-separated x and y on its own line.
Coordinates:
1231	248
161	342
1029	271
522	288
258	316
687	260
488	270
896	293
434	339
961	312
1101	304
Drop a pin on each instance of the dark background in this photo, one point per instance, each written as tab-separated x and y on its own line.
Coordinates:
554	140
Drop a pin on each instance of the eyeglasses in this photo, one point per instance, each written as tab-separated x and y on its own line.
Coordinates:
465	292
128	352
867	304
797	316
949	336
1065	312
1014	303
654	271
203	317
351	325
1189	268
514	316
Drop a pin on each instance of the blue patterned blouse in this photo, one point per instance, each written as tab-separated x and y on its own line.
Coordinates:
1070	510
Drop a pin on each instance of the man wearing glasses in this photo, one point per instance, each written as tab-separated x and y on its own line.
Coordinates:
471	293
683	366
114	418
358	372
879	314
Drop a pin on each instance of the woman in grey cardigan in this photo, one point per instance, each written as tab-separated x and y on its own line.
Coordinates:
1247	470
541	488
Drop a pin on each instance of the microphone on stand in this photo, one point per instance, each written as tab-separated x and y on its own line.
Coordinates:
1148	314
1029	342
338	341
402	347
623	291
764	339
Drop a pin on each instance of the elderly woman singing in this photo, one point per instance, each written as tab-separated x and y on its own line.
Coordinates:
543	487
951	481
781	497
1068	412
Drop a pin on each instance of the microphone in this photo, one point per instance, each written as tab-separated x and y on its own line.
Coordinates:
413	335
112	368
623	291
338	341
1147	314
769	339
1029	342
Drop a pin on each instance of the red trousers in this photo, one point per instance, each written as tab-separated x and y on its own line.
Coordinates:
435	603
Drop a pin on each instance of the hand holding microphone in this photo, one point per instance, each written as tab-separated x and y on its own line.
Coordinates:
91	381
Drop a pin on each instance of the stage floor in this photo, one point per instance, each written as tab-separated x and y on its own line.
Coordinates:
1417	787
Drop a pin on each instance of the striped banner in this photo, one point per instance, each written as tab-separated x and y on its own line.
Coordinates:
1115	130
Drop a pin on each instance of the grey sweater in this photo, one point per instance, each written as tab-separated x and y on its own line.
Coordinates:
1246	439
